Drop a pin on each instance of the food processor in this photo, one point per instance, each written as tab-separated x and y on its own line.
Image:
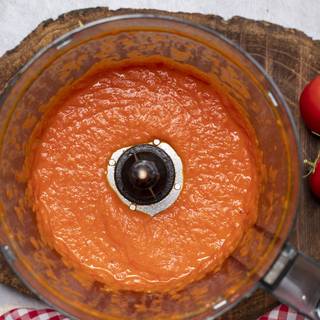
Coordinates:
263	257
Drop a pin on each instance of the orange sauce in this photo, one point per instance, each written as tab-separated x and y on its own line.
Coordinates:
81	217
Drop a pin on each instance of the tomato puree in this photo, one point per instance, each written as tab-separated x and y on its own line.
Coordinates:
81	217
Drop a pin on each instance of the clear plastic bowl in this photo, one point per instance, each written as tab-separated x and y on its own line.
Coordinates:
113	40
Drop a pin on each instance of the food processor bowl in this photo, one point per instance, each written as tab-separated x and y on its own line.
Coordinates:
137	38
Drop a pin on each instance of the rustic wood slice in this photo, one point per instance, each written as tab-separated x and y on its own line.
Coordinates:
288	55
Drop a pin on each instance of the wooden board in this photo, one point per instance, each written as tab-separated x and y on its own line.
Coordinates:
288	55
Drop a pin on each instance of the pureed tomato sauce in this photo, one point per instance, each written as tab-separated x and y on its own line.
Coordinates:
82	218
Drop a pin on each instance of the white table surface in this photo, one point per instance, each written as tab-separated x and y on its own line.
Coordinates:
19	17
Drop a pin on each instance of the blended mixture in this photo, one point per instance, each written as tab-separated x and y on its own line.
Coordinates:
82	218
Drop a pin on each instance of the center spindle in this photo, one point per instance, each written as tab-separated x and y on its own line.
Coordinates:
146	177
144	174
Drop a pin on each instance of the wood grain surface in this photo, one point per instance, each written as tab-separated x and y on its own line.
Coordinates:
288	55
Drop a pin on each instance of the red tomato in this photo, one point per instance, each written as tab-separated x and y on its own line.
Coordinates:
314	180
310	105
